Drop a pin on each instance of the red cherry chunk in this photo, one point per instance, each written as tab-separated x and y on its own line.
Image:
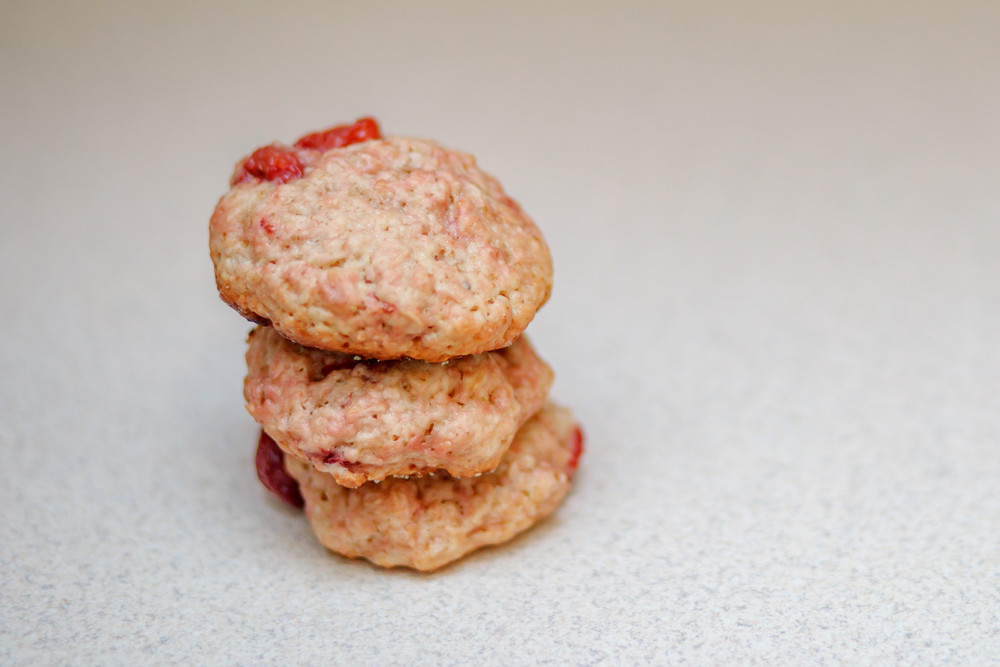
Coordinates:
335	458
271	472
269	163
342	135
574	459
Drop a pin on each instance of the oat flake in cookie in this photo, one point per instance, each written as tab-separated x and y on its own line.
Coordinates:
384	248
361	420
427	522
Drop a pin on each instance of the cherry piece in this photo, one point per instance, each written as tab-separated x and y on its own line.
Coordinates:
269	163
574	459
271	472
335	458
342	135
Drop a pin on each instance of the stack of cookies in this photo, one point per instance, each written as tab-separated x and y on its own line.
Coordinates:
399	402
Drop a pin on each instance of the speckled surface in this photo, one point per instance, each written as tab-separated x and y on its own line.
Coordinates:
776	235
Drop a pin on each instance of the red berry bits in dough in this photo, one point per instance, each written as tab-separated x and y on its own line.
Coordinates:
271	472
269	163
281	164
576	449
341	135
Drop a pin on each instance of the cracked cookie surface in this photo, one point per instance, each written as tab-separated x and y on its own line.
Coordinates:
427	522
360	420
386	248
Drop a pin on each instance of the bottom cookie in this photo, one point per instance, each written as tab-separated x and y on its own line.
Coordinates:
429	521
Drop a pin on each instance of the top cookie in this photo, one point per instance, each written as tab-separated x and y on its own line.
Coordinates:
386	248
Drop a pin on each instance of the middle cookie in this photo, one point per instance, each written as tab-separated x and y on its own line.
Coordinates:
359	419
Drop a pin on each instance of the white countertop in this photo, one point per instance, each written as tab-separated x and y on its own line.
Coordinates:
777	311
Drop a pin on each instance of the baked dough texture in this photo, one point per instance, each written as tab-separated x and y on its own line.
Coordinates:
427	522
387	248
359	420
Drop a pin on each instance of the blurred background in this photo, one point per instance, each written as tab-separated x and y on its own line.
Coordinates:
776	232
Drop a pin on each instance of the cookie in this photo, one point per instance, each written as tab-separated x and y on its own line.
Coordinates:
387	248
361	420
427	522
